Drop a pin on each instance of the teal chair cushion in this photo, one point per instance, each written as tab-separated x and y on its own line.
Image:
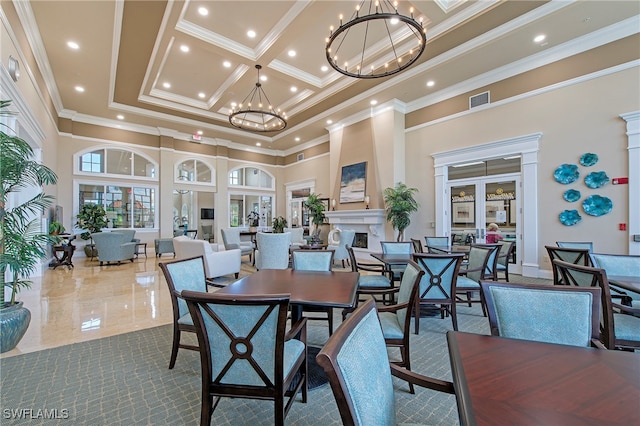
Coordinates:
312	260
464	282
627	327
185	319
373	281
391	328
187	275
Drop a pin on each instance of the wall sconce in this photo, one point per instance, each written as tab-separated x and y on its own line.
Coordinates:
366	201
333	205
14	68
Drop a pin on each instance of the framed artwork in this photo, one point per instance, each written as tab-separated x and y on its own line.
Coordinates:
464	212
496	212
353	183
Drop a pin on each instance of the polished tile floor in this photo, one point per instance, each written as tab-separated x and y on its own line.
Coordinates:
91	301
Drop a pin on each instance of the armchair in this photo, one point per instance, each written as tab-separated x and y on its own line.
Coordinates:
373	284
114	246
231	241
578	256
217	263
272	250
437	244
469	278
394	247
504	255
345	237
576	244
297	237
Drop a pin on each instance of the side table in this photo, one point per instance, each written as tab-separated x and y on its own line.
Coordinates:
138	245
67	255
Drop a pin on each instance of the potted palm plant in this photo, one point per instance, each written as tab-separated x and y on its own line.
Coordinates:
316	212
400	204
92	218
22	243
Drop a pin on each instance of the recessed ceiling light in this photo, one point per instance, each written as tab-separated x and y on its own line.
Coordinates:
258	144
297	139
291	53
431	83
120	117
251	33
73	45
184	48
226	64
294	89
539	38
79	89
373	102
199	132
166	85
329	121
201	95
203	11
324	68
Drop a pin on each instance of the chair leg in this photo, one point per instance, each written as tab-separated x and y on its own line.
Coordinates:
175	346
330	318
279	409
454	315
406	363
237	274
417	317
207	407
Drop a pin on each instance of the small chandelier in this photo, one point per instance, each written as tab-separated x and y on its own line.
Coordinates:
354	50
251	115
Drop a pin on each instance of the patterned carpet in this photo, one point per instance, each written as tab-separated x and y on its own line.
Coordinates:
125	380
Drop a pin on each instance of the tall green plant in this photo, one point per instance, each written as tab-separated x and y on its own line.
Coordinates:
22	244
400	204
316	212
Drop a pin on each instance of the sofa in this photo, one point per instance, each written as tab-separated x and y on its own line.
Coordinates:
216	263
114	246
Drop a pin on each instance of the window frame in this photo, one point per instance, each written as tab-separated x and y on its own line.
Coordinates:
77	164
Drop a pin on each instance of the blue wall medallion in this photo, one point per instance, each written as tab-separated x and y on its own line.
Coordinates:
570	217
596	205
571	195
596	179
588	159
566	174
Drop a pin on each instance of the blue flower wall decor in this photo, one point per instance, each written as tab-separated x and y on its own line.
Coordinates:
596	180
596	205
566	174
588	159
571	195
570	217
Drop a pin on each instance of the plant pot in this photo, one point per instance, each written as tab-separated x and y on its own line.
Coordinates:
90	250
14	321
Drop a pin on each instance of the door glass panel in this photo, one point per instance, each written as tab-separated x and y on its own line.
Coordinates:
463	208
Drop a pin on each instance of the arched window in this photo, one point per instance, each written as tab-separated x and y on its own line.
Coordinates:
194	171
251	177
116	162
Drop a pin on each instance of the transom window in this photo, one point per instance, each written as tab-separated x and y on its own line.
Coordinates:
251	177
113	161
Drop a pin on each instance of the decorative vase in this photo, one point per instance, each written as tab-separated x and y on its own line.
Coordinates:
14	321
90	250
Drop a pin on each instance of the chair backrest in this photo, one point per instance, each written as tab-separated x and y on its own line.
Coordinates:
396	247
109	240
128	234
417	246
408	292
345	236
183	274
352	258
479	258
492	261
617	264
241	338
297	235
360	402
312	260
185	247
440	275
578	256
576	244
543	313
438	242
587	276
506	249
206	231
273	250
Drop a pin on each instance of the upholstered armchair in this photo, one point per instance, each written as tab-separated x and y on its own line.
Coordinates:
114	246
297	237
272	250
130	233
217	263
346	237
437	244
231	241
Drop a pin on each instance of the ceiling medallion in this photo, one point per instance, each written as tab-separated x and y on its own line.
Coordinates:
378	44
251	115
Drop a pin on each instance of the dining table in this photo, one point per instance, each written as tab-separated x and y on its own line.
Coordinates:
501	381
306	288
630	283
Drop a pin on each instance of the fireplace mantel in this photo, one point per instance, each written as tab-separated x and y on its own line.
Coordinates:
370	221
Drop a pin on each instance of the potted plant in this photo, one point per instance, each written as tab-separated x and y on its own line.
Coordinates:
316	213
22	244
254	219
92	218
400	204
279	223
56	228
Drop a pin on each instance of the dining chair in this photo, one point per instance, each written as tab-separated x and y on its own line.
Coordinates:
578	256
396	247
619	324
345	237
469	277
395	320
491	272
372	284
437	244
554	314
207	233
504	256
622	265
231	240
438	285
184	274
315	260
246	352
297	237
417	246
272	250
576	244
362	385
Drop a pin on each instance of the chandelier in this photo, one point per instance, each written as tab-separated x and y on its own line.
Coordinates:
256	113
376	44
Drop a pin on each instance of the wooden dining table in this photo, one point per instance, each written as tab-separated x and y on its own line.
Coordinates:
500	381
631	283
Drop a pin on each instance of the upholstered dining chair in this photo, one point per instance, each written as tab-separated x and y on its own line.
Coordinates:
417	246
475	271
231	240
345	237
578	256
395	247
184	274
619	324
395	320
621	265
372	279
554	314
297	237
504	256
438	285
437	244
272	250
245	351
352	376
576	244
314	260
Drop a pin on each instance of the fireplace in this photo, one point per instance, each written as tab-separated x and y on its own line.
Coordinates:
360	241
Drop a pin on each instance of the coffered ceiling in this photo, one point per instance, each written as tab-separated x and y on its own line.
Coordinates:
167	67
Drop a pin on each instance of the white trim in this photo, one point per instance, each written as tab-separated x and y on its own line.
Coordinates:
633	147
110	147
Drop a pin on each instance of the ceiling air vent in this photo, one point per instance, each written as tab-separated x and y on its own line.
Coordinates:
479	99
301	156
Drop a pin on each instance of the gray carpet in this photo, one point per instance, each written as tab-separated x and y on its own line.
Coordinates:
125	380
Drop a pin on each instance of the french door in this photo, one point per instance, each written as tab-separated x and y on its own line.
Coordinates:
477	202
